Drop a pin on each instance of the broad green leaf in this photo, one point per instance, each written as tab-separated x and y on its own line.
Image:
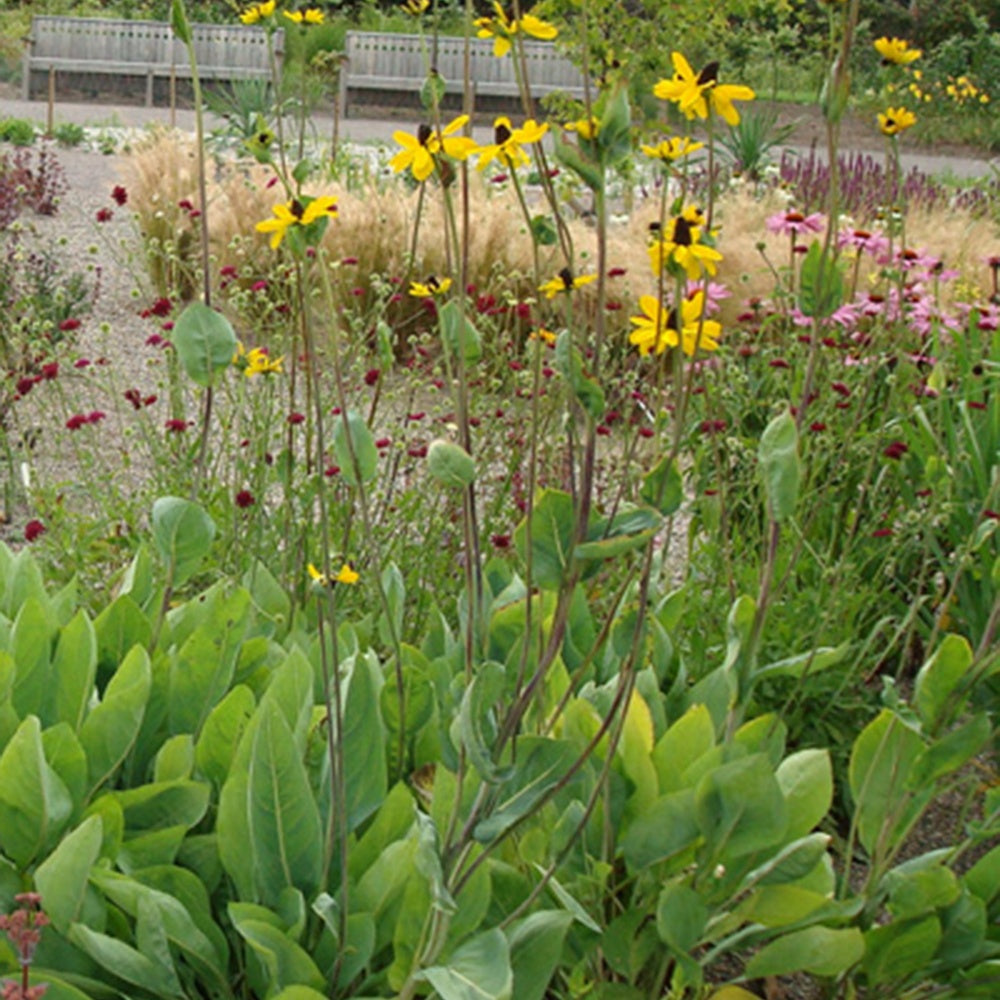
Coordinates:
366	777
205	342
740	809
806	781
34	803
221	733
479	970
822	951
62	877
667	829
821	284
31	646
552	527
536	943
663	486
74	668
151	940
164	804
119	627
353	440
914	893
806	663
459	336
948	753
579	161
298	992
782	905
586	389
286	962
900	948
267	594
692	735
681	916
881	760
780	467
394	818
963	932
202	669
541	765
23	582
110	729
937	691
283	817
793	862
235	840
636	747
125	962
450	464
628	530
477	718
183	534
67	759
983	878
108	809
158	847
175	759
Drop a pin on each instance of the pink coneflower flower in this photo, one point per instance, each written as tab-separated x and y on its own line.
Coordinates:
793	223
872	243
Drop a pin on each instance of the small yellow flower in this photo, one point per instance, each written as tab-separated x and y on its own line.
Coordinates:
895	120
311	15
258	12
543	334
675	148
416	7
585	128
896	51
502	29
294	213
431	287
259	362
346	575
565	282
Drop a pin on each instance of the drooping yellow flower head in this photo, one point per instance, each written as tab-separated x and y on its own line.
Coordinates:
312	15
895	120
258	12
502	29
346	575
698	93
294	213
416	7
896	50
675	148
430	288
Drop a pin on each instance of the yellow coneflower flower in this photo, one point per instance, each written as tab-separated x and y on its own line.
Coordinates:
895	120
896	51
258	12
295	213
565	282
698	93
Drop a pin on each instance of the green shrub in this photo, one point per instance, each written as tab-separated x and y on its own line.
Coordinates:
17	131
69	134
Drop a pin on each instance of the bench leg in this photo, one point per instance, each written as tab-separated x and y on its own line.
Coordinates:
149	88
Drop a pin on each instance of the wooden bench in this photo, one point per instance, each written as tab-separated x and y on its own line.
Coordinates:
396	65
147	50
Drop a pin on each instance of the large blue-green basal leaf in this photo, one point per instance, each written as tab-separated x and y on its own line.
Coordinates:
663	486
164	804
365	779
287	963
35	805
899	949
882	758
396	815
284	822
806	781
66	757
938	691
20	579
233	826
205	342
821	283
536	944
476	726
352	434
822	951
780	466
459	336
175	759
111	728
629	529
202	669
666	831
62	877
805	664
740	809
479	970
31	646
183	534
150	972
74	668
119	627
584	387
291	690
552	530
948	753
222	732
541	764
179	927
269	597
157	847
188	889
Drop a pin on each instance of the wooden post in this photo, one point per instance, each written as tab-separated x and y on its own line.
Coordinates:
50	111
173	94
